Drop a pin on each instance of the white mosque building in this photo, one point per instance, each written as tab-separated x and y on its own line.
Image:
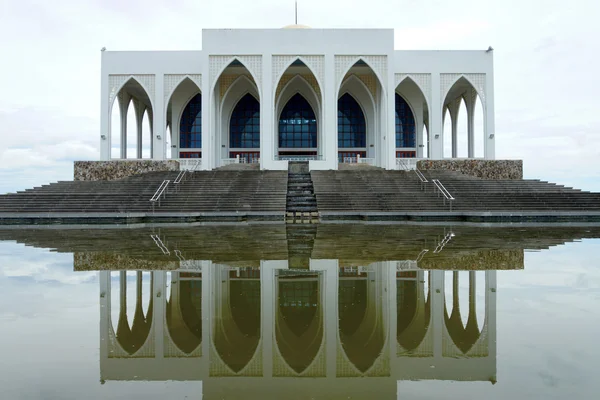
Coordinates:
272	95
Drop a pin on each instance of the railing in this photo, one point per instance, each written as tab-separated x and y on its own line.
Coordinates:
230	161
159	193
422	254
444	242
180	176
189	164
405	164
350	160
365	160
298	158
442	189
160	244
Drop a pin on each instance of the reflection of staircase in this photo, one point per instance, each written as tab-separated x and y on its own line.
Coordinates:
301	203
300	240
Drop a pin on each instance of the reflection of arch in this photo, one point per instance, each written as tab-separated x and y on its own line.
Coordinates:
299	320
360	327
414	314
132	339
184	315
463	336
237	329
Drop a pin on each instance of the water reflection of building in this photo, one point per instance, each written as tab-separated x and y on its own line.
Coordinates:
267	326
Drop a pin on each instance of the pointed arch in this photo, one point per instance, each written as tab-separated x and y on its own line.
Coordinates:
299	86
241	87
288	65
409	77
349	66
169	95
113	96
401	105
217	76
448	87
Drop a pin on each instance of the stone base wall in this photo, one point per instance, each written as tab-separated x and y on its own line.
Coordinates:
119	169
485	169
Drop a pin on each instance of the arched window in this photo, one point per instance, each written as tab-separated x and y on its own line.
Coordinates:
352	131
297	124
190	128
244	127
405	124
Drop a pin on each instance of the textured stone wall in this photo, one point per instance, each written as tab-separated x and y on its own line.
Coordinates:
485	169
117	169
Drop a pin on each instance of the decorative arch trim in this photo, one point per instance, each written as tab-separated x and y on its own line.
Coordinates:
316	65
377	63
117	82
423	81
477	81
217	65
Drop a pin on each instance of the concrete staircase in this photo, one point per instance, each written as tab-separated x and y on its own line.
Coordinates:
400	191
203	191
301	203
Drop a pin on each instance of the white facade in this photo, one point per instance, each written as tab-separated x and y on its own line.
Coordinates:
273	66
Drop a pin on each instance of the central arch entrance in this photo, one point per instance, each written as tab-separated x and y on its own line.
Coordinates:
297	129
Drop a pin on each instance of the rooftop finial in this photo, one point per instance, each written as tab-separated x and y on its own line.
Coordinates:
296	12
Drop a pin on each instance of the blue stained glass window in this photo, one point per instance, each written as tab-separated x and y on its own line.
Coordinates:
352	130
190	128
244	126
405	124
297	124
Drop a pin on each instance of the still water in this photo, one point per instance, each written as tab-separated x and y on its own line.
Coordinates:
300	312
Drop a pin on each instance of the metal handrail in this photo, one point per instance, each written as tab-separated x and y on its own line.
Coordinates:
180	176
160	244
195	167
420	175
444	242
159	192
442	189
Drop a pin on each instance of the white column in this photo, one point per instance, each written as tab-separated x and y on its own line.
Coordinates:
436	142
329	291
490	310
158	145
139	118
389	128
329	117
207	309
207	116
437	310
470	100
151	121
490	124
159	295
124	99
104	312
453	108
267	105
104	118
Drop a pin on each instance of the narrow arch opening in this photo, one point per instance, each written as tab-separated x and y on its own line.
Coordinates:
406	145
190	129
132	131
244	130
352	129
297	128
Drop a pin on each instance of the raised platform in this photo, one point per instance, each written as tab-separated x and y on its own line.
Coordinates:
235	195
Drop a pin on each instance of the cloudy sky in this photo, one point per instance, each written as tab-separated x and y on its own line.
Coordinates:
545	54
